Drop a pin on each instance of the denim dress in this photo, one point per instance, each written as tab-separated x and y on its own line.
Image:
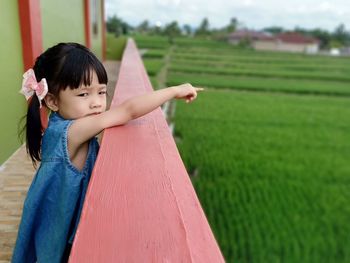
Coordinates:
55	198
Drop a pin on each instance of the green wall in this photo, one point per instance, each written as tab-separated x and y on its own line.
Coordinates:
12	104
62	21
96	39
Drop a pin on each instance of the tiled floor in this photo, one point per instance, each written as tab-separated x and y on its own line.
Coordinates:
14	182
15	178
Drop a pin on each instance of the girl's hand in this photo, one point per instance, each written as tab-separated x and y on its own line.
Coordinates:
186	91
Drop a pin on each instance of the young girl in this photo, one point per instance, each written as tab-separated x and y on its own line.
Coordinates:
72	84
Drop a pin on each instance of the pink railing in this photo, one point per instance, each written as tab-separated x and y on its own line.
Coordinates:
141	205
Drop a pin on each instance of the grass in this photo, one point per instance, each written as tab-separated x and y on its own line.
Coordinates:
272	173
115	47
263	72
153	42
153	66
243	64
261	84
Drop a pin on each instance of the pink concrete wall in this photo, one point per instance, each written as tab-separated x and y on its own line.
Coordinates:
141	205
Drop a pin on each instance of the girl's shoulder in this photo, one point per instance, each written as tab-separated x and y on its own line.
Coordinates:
54	142
57	125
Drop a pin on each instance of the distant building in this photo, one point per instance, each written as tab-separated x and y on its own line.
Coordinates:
248	35
290	42
334	52
296	42
345	51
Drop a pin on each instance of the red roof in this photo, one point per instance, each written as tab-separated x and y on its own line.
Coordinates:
296	38
289	37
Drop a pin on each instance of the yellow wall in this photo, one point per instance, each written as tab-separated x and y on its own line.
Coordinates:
96	17
12	104
62	21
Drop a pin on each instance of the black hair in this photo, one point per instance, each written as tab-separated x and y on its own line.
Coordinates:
63	65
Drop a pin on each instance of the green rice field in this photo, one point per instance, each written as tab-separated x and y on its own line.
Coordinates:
272	173
267	146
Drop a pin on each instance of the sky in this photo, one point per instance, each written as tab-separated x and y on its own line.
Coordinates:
253	14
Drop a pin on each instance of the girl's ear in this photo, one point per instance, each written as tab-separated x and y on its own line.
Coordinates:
51	102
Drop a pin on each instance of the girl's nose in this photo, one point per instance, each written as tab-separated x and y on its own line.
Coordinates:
95	104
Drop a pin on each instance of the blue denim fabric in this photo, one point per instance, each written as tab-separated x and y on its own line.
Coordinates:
55	198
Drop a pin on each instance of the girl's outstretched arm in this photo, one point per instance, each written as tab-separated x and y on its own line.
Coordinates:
141	105
85	128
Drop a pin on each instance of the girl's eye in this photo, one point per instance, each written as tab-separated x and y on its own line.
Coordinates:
83	94
103	92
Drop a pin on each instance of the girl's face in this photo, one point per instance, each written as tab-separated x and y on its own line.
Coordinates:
84	101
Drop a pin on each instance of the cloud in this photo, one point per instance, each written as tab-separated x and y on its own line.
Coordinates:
253	13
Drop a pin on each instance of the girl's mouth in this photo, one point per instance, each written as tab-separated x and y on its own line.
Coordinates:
92	114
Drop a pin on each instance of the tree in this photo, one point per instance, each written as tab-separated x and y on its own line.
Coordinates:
144	27
341	35
203	29
155	30
323	35
232	26
187	29
274	30
116	26
172	30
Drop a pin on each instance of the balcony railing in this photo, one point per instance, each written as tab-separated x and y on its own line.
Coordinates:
141	205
